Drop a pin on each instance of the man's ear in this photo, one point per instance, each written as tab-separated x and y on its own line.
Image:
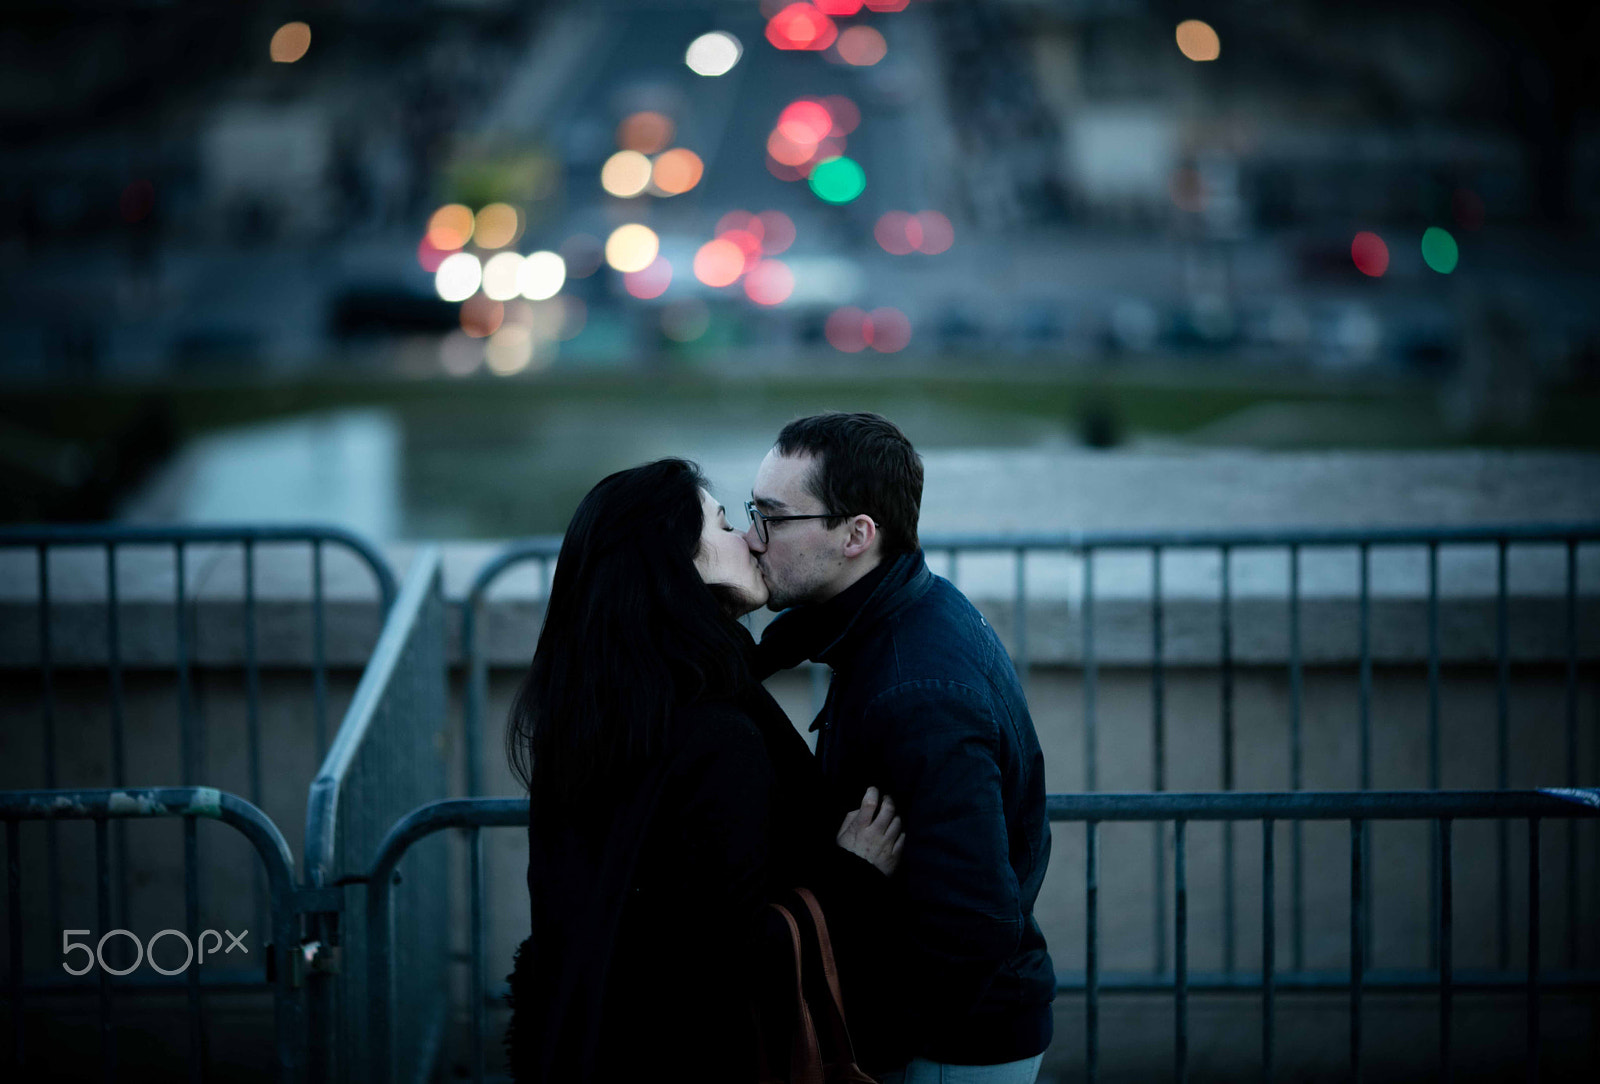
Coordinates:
862	537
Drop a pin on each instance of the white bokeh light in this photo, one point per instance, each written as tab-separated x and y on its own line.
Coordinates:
713	54
541	275
501	276
458	277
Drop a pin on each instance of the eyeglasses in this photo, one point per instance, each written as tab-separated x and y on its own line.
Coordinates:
759	519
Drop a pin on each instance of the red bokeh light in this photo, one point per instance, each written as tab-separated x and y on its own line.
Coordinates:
776	231
838	7
429	257
887	5
770	282
937	233
748	242
887	330
806	121
738	220
1370	254
846	329
785	172
801	26
846	114
780	148
481	317
719	262
651	282
894	232
861	46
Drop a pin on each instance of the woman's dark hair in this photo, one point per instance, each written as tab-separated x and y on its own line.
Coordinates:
630	633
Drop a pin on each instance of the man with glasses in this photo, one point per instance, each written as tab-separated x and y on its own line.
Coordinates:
925	704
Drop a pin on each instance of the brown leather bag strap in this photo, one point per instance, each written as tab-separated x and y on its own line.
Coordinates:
841	1055
830	969
805	1053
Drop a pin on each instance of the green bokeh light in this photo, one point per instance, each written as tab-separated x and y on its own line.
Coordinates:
1439	250
838	180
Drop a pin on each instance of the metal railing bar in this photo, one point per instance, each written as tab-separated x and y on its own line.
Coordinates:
1446	945
1091	837
102	883
1533	951
1297	932
191	922
1090	676
1225	609
191	761
119	759
1357	940
252	719
1180	993
1364	624
138	984
1328	805
1502	748
319	669
475	852
48	691
1158	755
14	938
1433	742
1572	749
1321	983
1266	538
1269	947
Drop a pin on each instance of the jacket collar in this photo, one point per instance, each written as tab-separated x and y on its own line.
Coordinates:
830	632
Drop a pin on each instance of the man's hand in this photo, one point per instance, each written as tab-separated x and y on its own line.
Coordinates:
873	832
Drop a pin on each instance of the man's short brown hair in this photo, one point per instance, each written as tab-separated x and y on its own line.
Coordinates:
865	466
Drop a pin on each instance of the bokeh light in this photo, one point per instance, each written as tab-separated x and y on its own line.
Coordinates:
1439	250
651	282
1370	254
719	262
496	225
481	316
677	171
562	318
541	275
632	247
785	151
429	257
887	5
846	329
806	122
450	227
887	330
510	349
460	354
583	254
769	282
845	113
647	132
786	172
458	277
685	321
776	231
626	174
801	26
838	8
289	43
749	241
898	233
739	220
937	233
1197	41
713	54
837	180
862	46
501	275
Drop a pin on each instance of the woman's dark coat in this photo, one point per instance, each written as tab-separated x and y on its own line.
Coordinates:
650	931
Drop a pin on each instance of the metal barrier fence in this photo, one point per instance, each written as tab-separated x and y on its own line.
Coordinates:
388	758
1359	809
178	642
1086	547
279	976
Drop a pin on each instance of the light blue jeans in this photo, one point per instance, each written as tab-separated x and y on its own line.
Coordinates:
923	1071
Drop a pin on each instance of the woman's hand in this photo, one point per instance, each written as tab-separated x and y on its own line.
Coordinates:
873	832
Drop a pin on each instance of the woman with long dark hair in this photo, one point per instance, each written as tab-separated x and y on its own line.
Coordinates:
669	799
